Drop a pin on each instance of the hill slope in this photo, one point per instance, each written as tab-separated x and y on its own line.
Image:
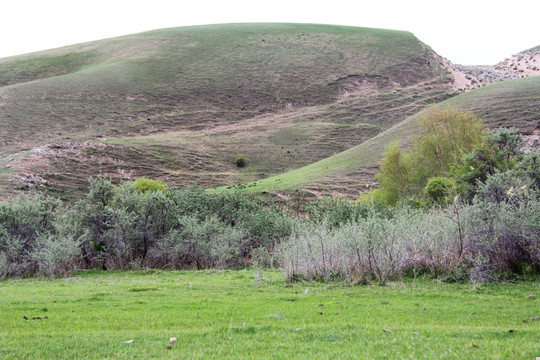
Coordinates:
511	103
180	104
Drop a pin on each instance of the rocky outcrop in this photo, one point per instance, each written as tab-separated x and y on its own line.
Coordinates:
465	78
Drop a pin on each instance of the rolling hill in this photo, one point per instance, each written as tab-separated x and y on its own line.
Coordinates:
181	104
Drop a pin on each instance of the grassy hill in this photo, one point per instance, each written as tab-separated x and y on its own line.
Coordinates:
181	104
512	103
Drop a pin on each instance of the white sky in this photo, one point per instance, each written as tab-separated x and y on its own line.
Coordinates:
465	31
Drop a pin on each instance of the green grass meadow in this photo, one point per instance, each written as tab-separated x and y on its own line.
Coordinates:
236	315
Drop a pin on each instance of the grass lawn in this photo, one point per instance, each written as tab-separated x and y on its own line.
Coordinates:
228	314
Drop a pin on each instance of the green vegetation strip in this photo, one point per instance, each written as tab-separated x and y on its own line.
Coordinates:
237	315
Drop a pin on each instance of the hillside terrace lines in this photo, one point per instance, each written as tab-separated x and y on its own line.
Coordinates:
258	130
236	134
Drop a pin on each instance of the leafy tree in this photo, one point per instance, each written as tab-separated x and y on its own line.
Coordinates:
446	135
395	175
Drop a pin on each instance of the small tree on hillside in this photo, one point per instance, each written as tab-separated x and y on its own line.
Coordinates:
445	137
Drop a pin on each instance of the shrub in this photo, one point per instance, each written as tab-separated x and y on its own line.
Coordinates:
505	225
500	151
369	248
439	190
101	191
311	252
21	221
202	244
240	161
143	185
336	212
433	242
136	220
14	254
26	215
265	228
56	253
529	166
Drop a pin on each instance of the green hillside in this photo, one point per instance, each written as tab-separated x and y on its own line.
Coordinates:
512	103
181	104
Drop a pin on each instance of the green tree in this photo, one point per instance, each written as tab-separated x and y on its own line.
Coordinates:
394	177
446	135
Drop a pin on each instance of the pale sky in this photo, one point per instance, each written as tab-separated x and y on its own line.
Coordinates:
466	32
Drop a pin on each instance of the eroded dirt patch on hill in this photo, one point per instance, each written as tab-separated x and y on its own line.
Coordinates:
66	167
363	85
466	78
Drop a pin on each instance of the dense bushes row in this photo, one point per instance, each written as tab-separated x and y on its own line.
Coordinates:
126	227
135	225
478	242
